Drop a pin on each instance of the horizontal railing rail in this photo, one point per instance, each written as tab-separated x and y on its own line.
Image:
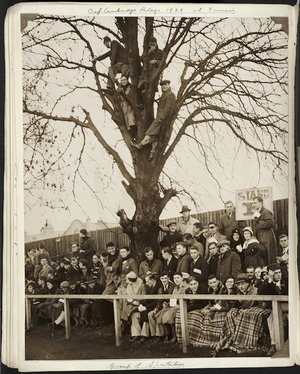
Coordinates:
164	296
275	299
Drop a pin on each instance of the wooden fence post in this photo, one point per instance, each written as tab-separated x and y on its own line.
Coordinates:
184	324
277	321
117	320
67	318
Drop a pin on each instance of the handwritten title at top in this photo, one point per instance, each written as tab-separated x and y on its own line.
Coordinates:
209	10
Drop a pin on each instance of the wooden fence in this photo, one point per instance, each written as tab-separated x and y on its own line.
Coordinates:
275	299
62	245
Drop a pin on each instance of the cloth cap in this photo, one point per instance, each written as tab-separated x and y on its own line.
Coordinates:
165	81
248	228
64	284
131	275
152	40
223	242
43	278
242	277
171	223
185	208
83	231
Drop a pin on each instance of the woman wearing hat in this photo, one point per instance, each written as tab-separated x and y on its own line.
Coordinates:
254	252
236	244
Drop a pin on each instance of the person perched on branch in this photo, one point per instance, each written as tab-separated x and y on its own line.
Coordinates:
118	58
165	109
155	55
124	96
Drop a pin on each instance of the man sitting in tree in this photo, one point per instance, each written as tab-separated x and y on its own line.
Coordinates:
164	111
119	60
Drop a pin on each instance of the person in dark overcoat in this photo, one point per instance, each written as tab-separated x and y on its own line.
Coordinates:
153	57
169	262
263	229
87	246
118	60
165	110
229	262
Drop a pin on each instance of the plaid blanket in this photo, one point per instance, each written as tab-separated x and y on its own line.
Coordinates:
204	328
243	328
238	329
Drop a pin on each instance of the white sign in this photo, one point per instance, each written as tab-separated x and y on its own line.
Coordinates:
244	201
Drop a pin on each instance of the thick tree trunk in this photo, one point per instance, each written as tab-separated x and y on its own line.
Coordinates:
143	228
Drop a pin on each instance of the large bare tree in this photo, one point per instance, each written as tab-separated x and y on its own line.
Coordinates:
230	77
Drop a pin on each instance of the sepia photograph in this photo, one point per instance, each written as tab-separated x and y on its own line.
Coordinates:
158	185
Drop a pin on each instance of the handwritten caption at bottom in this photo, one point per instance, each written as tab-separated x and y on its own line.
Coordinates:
155	364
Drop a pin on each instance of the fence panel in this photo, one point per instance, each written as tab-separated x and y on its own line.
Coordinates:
61	245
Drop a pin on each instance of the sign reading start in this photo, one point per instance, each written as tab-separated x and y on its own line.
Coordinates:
244	201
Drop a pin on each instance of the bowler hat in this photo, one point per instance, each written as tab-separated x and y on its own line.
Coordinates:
171	223
185	208
242	277
223	242
165	81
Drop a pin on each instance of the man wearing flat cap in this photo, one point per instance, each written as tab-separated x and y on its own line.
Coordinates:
172	236
229	262
165	110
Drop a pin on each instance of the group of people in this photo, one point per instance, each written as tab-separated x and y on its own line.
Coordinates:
151	61
221	258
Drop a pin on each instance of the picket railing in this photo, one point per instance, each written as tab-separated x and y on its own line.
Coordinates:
275	299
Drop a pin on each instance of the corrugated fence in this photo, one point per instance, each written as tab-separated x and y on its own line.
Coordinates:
62	245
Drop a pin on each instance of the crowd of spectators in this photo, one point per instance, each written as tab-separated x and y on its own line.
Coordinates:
220	258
